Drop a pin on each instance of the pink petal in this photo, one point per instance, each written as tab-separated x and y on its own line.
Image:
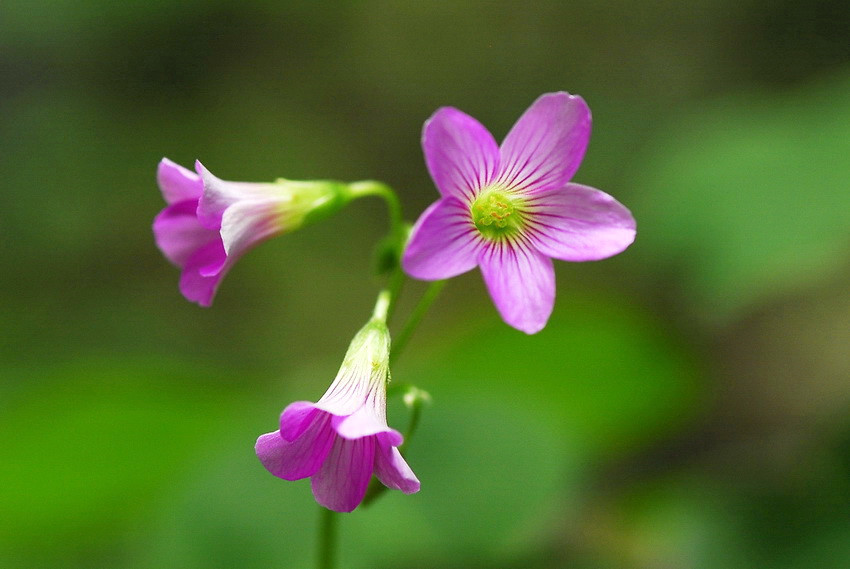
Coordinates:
521	282
296	418
546	145
300	458
341	482
348	392
444	242
460	153
362	423
177	183
248	223
178	233
203	272
579	223
392	470
219	195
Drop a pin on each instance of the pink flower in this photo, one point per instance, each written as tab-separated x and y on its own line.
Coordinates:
341	440
209	223
509	210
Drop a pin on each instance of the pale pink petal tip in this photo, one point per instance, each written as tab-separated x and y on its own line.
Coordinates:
546	145
177	183
460	153
392	470
580	223
521	282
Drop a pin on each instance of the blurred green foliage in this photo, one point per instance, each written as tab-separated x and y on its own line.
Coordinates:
772	222
686	406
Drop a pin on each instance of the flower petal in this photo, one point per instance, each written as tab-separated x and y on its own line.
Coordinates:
444	242
177	183
521	282
392	470
362	423
546	145
178	233
579	223
460	153
300	458
296	418
349	390
248	223
341	482
203	272
218	195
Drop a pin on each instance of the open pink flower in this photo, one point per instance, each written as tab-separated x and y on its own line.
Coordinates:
209	223
511	209
341	440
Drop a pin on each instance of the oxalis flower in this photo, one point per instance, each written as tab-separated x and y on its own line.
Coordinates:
511	209
209	223
341	440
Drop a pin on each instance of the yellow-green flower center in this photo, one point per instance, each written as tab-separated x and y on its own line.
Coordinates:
497	214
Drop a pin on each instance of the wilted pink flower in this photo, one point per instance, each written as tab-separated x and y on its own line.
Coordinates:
209	223
510	209
341	440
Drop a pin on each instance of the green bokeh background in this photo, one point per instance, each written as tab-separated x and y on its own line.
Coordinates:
685	407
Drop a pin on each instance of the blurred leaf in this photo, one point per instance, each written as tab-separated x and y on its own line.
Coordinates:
602	371
830	547
747	199
86	450
677	521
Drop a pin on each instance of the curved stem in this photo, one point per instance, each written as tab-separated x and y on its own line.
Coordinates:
397	235
415	404
394	286
372	188
415	318
415	415
327	539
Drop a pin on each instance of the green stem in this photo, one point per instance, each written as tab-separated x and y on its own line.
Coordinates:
398	231
327	539
372	188
383	311
415	414
382	305
415	318
386	303
394	286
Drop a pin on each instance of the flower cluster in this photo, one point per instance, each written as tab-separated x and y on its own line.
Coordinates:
508	210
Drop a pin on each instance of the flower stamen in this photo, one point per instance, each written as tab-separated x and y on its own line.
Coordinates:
497	214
